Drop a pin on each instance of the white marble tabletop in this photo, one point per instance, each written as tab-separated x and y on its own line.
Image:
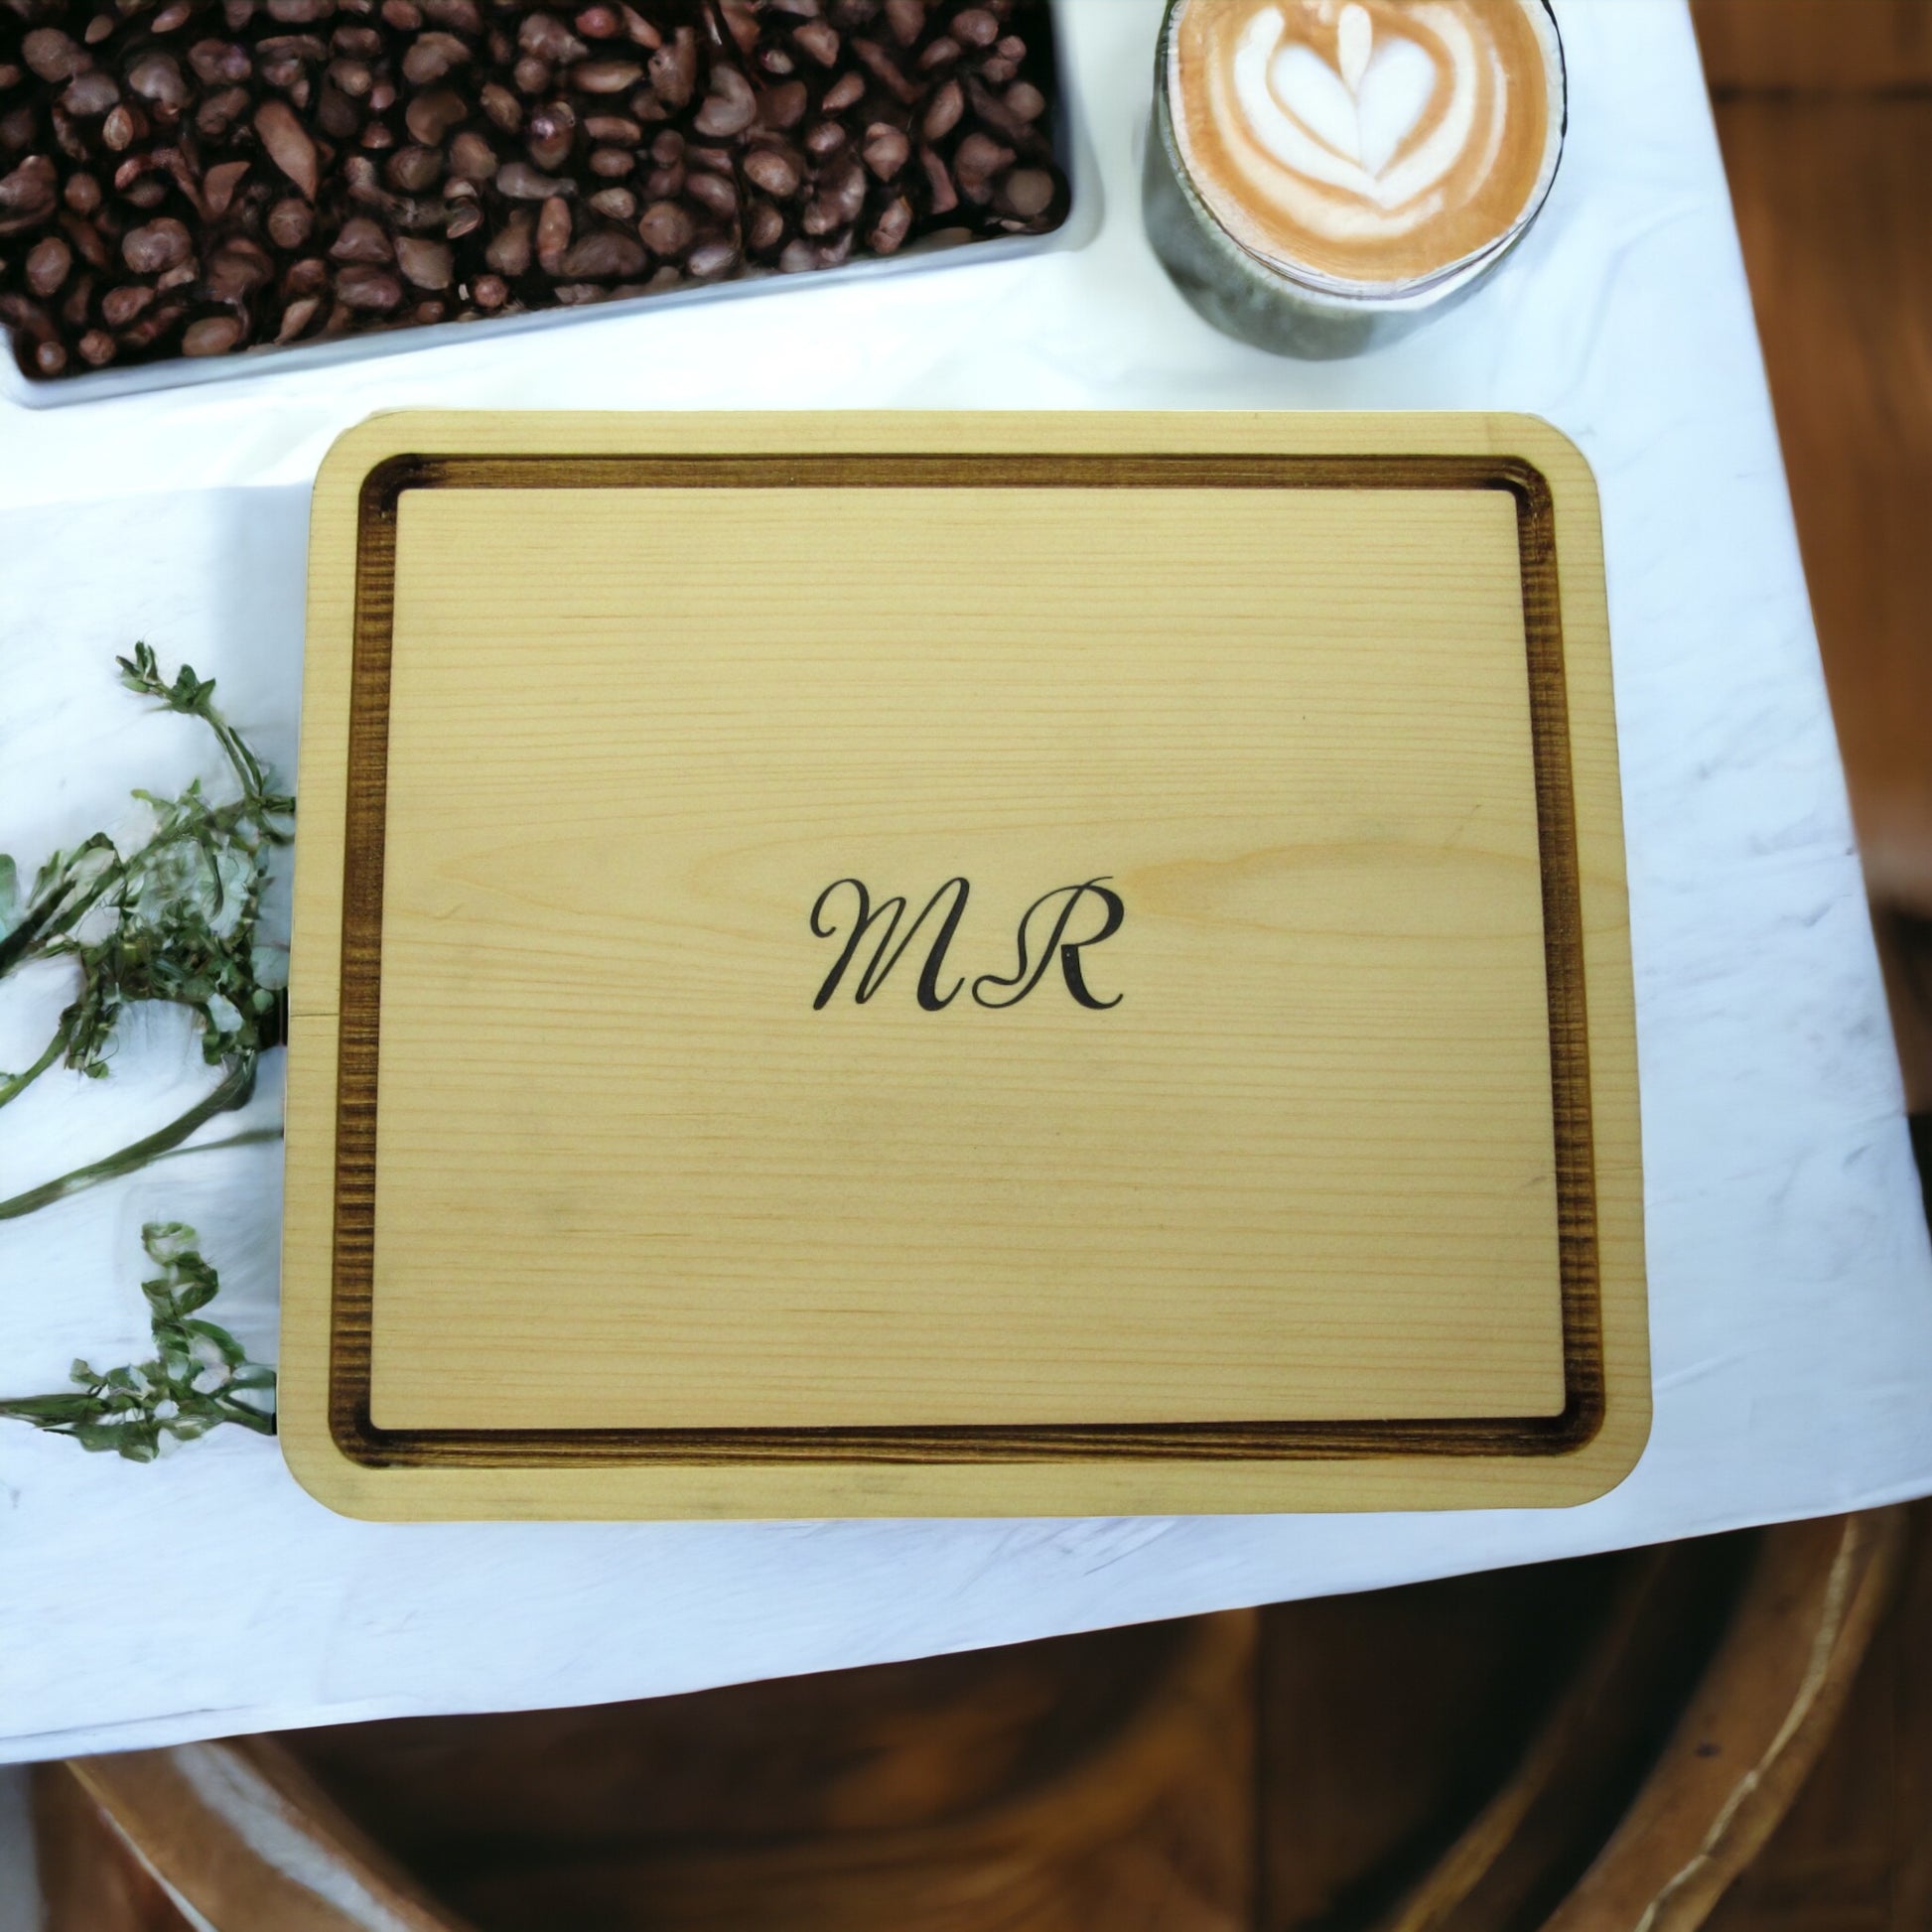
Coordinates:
1790	1277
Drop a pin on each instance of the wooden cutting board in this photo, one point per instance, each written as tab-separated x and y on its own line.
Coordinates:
915	964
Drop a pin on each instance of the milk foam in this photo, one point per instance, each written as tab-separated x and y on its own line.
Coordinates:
1367	143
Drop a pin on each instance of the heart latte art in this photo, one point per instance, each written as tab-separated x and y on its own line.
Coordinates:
1376	145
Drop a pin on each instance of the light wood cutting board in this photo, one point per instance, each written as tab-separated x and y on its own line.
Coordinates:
912	964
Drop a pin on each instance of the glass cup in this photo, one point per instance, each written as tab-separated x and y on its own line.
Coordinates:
1274	304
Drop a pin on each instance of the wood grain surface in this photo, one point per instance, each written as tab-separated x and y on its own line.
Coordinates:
1286	1144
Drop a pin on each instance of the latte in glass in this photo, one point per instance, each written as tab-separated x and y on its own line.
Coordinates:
1325	173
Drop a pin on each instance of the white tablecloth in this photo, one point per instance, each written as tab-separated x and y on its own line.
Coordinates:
1790	1277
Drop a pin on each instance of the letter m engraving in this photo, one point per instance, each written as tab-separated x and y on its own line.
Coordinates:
890	947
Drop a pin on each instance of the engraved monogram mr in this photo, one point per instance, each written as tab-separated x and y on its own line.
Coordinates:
1053	930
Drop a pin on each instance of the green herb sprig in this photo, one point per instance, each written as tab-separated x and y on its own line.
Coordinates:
199	1377
174	918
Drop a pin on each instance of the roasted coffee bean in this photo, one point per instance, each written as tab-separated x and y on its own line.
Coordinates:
784	105
942	113
220	112
52	54
978	158
428	265
289	145
219	187
1026	193
840	196
522	183
89	242
553	234
941	197
119	307
412	170
887	150
157	77
89	95
362	285
741	22
460	16
666	230
609	254
674	69
512	246
47	263
220	63
430	117
844	94
361	240
309	276
764	226
777	172
609	77
472	158
886	71
156	246
297	317
638	31
551	134
237	268
211	336
123	127
431	57
894	224
712	192
906	19
501	107
78	303
290	170
290	223
819	40
28	193
730	108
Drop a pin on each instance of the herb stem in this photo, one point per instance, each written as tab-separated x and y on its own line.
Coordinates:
233	1091
19	1083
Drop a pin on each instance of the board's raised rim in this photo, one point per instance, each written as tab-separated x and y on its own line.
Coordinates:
1593	1440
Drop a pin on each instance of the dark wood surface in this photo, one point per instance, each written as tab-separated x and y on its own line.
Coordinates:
1855	1853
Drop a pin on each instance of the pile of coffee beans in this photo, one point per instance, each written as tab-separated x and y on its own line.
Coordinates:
201	177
